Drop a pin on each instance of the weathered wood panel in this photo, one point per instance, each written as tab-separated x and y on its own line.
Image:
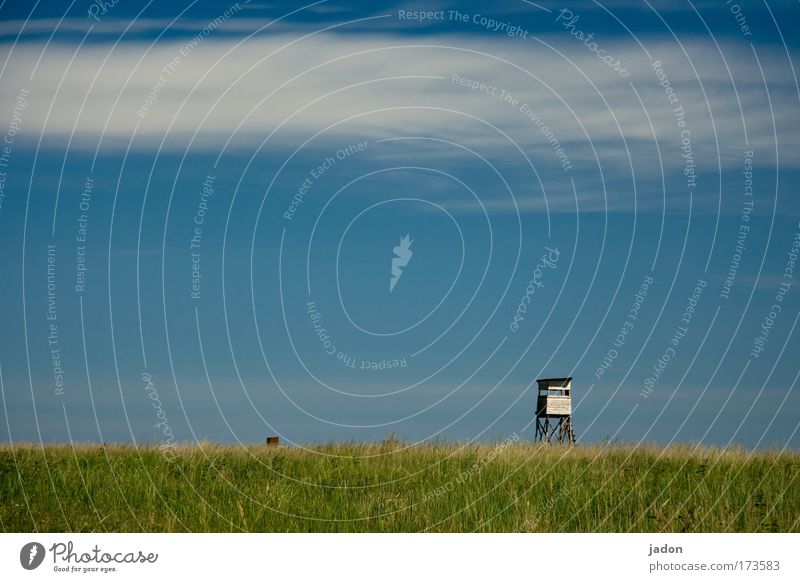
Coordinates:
554	405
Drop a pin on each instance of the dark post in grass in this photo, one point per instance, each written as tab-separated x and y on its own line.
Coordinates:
273	441
554	411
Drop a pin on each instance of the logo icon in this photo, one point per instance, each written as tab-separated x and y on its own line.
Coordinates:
31	555
402	256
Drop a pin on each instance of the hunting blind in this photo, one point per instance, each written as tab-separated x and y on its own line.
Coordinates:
554	411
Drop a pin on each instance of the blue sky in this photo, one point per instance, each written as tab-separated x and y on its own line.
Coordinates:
627	142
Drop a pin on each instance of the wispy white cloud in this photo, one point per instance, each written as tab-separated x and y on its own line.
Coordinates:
222	87
228	91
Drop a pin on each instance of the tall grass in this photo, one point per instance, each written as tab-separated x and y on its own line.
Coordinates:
390	487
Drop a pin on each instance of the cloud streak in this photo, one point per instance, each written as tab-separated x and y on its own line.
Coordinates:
383	85
548	98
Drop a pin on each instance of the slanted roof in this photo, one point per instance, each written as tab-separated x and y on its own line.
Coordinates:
555	379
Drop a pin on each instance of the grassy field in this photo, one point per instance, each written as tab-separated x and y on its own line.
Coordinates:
389	487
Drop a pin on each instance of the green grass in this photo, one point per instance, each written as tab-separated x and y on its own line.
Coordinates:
390	487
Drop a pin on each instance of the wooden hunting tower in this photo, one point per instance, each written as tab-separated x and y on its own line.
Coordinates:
554	411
